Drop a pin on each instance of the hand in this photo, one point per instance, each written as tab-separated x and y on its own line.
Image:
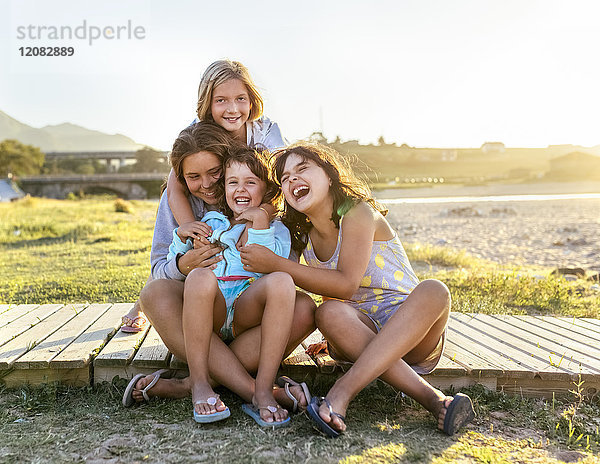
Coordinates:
202	256
193	230
316	348
257	258
257	217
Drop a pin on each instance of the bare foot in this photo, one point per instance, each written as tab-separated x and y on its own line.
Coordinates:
333	420
296	390
164	388
269	408
205	400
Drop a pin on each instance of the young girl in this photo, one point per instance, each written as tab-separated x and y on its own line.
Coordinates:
228	97
210	297
381	317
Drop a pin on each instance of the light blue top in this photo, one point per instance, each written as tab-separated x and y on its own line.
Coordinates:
276	238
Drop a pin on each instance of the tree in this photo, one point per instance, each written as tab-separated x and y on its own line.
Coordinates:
149	160
19	159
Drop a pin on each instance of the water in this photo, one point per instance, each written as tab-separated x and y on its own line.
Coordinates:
492	198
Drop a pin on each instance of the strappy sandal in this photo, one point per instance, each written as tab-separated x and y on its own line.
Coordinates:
254	413
128	399
285	382
215	416
313	412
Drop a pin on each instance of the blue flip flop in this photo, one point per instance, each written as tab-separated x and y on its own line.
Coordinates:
458	413
215	416
254	413
313	412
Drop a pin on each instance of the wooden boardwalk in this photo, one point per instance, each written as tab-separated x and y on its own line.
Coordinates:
81	345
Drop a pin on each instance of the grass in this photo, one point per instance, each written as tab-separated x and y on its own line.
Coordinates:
97	250
58	424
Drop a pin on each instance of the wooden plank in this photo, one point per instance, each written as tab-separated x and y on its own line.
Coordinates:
14	312
121	349
562	355
17	347
298	362
472	362
565	332
457	382
153	353
4	307
42	354
523	351
592	321
109	373
574	325
481	357
18	377
540	388
557	340
81	351
26	322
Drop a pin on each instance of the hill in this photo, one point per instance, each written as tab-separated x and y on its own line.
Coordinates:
64	137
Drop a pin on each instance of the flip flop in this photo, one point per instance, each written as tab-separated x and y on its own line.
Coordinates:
313	412
215	416
458	413
285	382
128	399
132	325
254	413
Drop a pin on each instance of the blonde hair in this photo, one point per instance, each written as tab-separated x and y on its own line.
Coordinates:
216	74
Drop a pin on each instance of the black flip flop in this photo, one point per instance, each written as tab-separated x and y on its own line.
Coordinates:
458	413
313	412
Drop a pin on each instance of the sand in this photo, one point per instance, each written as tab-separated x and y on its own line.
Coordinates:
552	233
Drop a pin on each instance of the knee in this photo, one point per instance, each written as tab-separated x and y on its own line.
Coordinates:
201	280
328	313
304	310
281	283
437	293
158	294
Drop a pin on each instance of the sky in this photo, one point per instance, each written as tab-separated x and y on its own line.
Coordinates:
429	73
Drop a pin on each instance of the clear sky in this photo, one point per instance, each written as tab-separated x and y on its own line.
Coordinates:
437	73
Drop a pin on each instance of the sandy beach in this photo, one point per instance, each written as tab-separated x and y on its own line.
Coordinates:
552	233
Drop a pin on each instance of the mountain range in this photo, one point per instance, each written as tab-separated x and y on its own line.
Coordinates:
64	137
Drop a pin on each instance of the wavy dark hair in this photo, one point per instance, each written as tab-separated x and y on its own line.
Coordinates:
258	163
201	136
346	189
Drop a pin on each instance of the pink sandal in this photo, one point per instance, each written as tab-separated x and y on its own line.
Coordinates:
137	324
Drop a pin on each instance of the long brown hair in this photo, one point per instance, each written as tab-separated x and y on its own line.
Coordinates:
216	74
201	136
347	190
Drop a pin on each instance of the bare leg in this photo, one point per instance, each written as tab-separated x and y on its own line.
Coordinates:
420	323
201	298
268	302
135	317
162	302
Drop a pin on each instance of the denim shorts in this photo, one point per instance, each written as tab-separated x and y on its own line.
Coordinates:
231	290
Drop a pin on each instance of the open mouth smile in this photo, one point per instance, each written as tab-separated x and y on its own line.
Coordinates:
242	201
300	191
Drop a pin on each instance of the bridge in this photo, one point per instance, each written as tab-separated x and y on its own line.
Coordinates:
106	156
134	186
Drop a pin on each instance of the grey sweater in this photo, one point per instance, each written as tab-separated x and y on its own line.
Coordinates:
161	268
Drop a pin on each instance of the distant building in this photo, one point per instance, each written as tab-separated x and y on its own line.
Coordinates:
493	147
576	165
9	191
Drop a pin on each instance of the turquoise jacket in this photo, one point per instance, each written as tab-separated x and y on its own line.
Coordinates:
276	238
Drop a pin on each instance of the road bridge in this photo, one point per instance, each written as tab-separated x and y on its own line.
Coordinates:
132	186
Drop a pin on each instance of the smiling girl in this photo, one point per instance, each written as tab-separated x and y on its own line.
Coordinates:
377	314
210	297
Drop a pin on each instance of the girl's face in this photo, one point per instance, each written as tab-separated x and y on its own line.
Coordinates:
305	184
230	107
243	188
201	172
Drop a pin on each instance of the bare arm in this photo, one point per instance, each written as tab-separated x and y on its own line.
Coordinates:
178	201
355	252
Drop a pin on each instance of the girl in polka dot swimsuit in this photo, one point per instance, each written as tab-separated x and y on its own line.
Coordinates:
375	313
